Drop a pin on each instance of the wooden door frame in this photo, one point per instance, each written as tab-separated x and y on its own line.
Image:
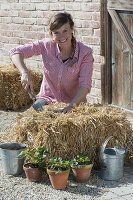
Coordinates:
106	82
106	43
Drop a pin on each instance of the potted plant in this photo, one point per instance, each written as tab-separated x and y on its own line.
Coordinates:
58	171
81	166
34	162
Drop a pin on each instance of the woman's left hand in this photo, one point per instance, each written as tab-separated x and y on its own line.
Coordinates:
67	109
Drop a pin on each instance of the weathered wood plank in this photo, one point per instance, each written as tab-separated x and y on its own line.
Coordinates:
108	78
106	47
117	71
102	26
126	64
103	82
126	82
122	66
132	69
122	30
120	5
132	81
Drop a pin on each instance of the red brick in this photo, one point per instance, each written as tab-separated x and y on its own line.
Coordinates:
96	16
86	24
90	7
97	67
25	40
97	58
41	21
4	39
86	32
24	14
92	40
73	6
97	84
16	6
30	21
78	23
4	26
57	6
6	33
30	35
17	33
97	32
6	20
25	1
14	40
95	24
5	6
17	20
96	50
4	13
96	91
82	15
97	75
29	6
42	6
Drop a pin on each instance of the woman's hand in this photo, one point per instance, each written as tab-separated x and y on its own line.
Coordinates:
65	110
26	81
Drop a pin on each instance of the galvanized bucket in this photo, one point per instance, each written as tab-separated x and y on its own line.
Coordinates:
112	162
11	163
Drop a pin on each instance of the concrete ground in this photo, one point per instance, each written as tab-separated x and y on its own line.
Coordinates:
121	189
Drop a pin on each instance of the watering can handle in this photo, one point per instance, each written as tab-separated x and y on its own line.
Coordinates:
104	144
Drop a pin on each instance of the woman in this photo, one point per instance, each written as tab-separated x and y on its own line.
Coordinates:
67	65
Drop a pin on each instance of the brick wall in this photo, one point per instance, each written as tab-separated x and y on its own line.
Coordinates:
22	21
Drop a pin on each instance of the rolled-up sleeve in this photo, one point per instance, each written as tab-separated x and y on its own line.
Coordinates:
27	50
85	76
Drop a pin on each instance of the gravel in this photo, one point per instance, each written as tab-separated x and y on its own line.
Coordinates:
7	119
12	188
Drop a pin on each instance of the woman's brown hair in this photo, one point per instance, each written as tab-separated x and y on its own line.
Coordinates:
59	20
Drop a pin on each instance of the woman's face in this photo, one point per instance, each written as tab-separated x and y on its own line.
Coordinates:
63	35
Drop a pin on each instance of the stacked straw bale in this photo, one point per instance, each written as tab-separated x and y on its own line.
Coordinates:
12	95
81	131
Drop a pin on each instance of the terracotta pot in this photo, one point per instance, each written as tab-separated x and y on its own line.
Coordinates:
82	173
58	179
33	174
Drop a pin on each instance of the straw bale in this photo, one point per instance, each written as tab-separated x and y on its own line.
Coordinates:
12	95
81	131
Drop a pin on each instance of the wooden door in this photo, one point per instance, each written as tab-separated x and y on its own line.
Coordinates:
118	69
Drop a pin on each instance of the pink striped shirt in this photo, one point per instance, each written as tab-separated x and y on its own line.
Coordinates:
60	80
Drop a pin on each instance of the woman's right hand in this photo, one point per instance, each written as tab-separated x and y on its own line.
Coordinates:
26	81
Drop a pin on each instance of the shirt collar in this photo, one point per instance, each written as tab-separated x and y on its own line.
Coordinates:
57	51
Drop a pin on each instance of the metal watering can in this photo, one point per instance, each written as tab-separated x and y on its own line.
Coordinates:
112	161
